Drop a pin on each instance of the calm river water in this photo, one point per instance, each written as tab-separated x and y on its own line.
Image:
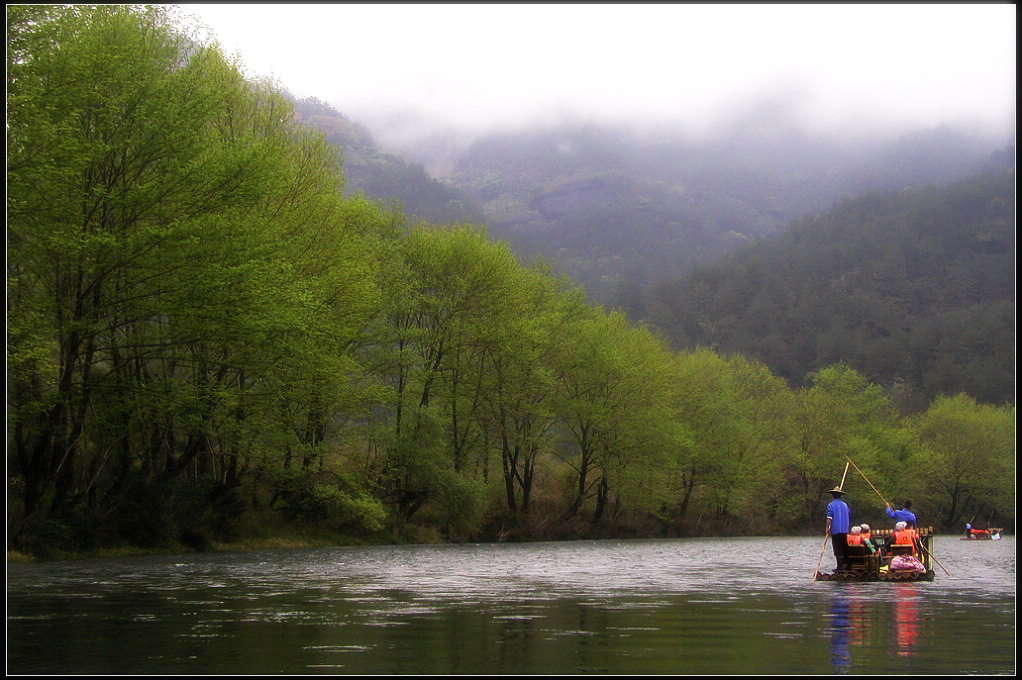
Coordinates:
685	606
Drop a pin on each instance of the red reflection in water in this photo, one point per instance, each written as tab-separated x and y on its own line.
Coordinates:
906	619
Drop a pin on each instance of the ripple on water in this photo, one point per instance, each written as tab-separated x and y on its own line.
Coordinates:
704	598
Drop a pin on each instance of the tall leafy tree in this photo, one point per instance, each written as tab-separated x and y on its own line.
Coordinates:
451	304
520	391
739	415
615	392
970	459
843	417
171	237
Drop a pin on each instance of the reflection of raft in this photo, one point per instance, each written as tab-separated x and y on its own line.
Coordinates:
877	566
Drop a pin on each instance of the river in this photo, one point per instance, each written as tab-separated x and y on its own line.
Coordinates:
743	606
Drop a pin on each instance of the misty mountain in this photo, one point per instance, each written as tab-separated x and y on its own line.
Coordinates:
385	175
893	253
620	208
912	288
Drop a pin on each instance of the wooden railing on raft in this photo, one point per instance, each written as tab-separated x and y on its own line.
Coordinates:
922	531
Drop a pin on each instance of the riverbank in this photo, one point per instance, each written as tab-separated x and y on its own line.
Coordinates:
252	543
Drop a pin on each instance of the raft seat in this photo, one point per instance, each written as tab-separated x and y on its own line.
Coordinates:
859	557
900	549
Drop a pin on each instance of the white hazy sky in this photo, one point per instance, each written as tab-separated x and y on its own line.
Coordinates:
483	64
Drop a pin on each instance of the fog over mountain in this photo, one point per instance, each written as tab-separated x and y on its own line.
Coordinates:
410	70
637	146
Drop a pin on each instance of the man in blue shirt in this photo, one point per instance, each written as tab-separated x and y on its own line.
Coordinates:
838	524
904	514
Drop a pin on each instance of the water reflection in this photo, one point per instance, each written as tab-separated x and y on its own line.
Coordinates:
854	608
851	612
700	606
840	654
905	630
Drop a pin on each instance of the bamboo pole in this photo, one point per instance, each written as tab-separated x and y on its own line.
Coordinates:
934	558
842	484
820	561
867	480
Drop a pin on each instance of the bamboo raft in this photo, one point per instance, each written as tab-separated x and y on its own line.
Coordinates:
991	534
877	566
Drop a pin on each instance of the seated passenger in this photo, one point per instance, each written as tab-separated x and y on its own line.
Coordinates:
904	536
855	536
866	538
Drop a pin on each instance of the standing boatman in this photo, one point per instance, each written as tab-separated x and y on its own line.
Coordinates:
838	524
903	514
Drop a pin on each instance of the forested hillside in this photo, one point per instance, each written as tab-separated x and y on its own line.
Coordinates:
619	208
387	176
917	296
914	288
211	342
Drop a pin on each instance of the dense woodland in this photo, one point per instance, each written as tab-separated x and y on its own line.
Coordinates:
915	289
211	340
893	253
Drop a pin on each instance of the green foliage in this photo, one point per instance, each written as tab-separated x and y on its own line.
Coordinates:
173	242
841	419
206	338
969	460
914	289
335	502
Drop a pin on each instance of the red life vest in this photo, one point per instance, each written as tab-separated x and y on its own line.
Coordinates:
904	537
854	539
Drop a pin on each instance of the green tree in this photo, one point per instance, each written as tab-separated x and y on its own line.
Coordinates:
450	306
616	395
172	237
969	460
738	416
842	417
520	389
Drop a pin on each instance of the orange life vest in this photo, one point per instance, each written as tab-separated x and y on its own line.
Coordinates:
854	539
904	537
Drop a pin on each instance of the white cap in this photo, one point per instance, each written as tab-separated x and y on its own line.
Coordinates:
865	527
856	530
899	526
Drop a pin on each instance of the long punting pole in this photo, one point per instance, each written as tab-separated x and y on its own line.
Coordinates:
820	561
886	503
867	480
934	558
